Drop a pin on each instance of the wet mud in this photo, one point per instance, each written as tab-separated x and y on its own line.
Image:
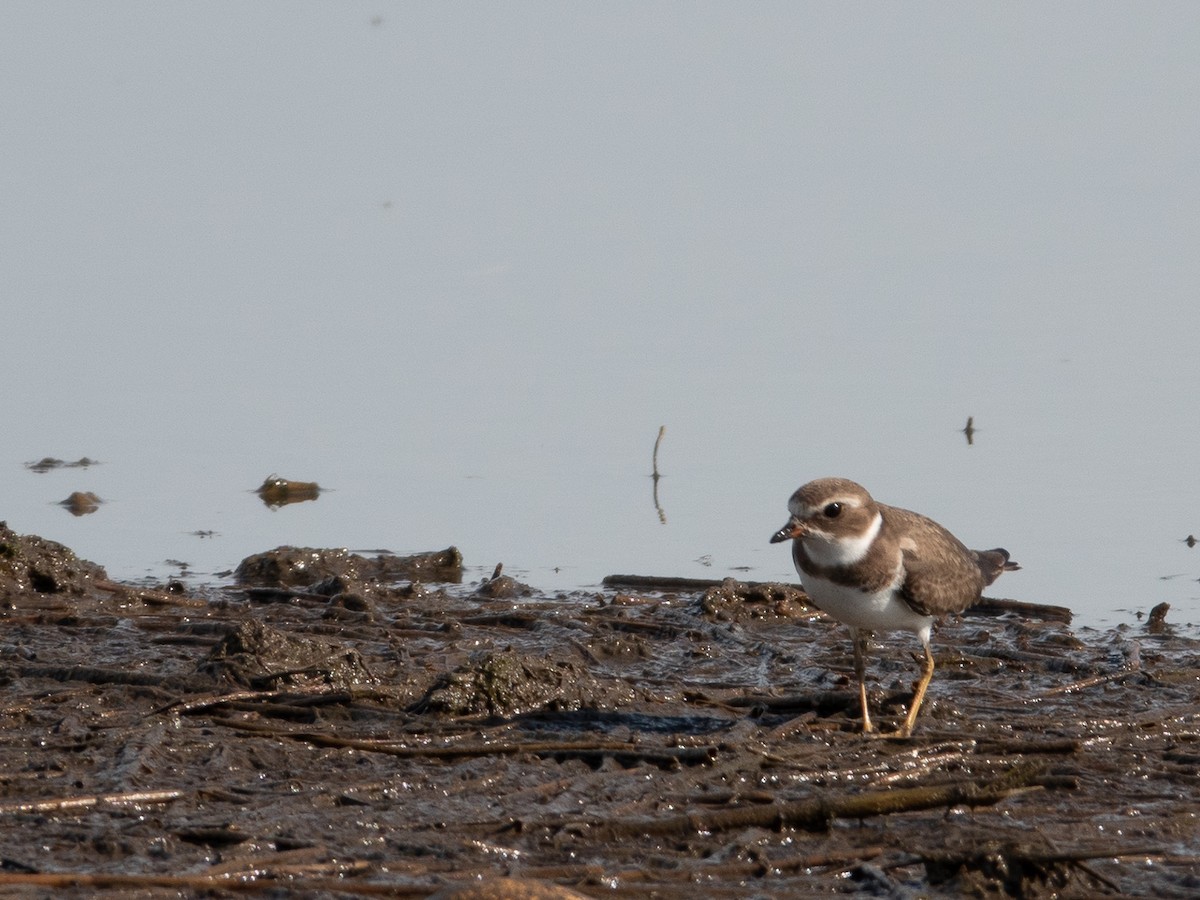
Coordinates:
336	724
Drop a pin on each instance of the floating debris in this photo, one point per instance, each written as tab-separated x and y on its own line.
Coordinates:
81	503
47	463
276	492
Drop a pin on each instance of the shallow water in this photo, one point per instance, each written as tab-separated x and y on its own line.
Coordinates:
459	271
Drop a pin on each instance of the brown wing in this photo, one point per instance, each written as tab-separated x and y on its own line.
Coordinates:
941	576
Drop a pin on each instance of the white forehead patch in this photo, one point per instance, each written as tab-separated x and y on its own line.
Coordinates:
844	551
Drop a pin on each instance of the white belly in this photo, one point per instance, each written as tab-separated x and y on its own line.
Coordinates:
878	611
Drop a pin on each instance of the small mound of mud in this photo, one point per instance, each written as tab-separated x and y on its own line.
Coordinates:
733	601
31	563
993	868
303	566
507	683
503	587
255	656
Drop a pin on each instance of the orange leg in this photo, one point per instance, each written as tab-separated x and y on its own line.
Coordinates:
918	695
860	642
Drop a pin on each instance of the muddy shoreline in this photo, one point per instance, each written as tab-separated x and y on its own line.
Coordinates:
340	725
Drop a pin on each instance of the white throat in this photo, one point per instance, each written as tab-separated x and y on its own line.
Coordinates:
846	551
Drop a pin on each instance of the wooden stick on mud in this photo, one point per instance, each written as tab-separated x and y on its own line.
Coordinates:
98	675
817	812
668	756
66	804
235	882
658	583
311	696
1088	682
998	606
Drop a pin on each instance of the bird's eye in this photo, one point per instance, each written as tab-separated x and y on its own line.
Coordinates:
833	510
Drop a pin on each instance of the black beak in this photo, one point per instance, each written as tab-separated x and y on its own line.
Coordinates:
787	532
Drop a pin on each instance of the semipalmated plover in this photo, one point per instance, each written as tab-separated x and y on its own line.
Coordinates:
880	568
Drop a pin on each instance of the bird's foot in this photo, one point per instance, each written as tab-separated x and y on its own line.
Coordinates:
898	734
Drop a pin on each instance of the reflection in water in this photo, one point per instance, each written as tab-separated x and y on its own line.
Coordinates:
276	492
662	516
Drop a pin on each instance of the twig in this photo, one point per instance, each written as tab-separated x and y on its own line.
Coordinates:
734	870
150	596
234	881
319	695
66	804
184	707
97	675
659	583
1021	748
819	812
661	431
590	750
925	766
1087	683
990	606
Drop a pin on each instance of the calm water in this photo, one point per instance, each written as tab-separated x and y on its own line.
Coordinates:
458	265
